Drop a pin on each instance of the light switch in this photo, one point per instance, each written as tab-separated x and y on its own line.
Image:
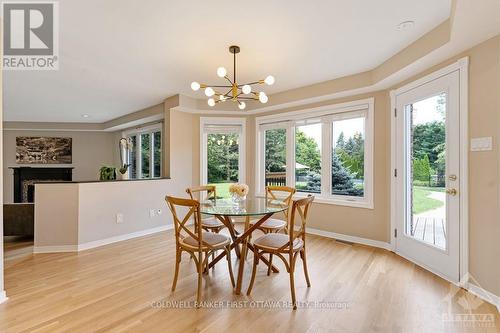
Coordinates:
481	144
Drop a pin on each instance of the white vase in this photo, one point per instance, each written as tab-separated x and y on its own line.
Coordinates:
124	176
238	198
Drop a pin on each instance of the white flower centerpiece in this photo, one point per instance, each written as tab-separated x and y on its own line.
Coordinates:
238	192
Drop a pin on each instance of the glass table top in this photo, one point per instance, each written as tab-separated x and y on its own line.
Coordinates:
248	207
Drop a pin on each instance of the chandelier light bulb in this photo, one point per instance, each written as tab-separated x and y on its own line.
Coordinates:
269	80
246	89
221	72
263	97
209	92
222	98
242	105
211	102
195	86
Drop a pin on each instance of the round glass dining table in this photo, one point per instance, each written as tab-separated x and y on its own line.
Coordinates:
227	209
248	207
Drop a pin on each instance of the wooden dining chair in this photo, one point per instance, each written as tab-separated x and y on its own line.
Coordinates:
208	223
279	193
192	239
283	194
293	244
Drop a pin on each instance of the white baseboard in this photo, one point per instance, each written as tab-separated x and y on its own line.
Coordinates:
100	242
352	239
3	296
120	238
484	295
55	249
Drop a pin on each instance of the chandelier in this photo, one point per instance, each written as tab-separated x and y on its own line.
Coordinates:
238	93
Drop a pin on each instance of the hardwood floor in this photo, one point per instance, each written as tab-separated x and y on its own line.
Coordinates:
15	247
126	287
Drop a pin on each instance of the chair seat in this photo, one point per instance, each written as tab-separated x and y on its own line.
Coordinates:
275	224
213	239
275	241
211	222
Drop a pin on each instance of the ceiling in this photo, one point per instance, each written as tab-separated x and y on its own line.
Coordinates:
119	56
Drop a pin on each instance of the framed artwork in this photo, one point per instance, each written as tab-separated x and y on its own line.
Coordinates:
43	150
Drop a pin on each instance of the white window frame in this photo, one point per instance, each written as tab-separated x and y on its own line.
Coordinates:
151	129
230	125
326	114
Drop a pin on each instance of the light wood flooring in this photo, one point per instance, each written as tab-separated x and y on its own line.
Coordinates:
114	289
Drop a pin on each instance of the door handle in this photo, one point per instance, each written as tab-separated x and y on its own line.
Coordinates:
451	191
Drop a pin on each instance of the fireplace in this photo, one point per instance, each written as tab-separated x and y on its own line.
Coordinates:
26	177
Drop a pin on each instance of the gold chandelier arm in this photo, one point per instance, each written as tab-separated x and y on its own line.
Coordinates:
249	98
251	83
229	80
221	86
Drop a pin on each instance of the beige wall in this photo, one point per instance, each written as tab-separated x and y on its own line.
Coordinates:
87	212
59	229
178	144
91	150
100	202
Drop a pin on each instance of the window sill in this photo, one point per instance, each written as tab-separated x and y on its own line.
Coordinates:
330	201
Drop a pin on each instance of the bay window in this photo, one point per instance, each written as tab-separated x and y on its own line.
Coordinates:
326	151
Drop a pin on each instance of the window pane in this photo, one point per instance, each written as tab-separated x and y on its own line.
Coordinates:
223	161
426	168
157	154
348	157
275	156
145	155
133	158
308	158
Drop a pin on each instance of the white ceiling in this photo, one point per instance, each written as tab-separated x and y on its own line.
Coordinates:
118	56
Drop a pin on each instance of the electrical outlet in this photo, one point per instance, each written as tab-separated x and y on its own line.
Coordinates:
152	213
119	218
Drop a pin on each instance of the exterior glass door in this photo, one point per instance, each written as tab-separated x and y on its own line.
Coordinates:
427	167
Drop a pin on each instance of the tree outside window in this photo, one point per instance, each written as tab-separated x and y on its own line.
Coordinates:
223	161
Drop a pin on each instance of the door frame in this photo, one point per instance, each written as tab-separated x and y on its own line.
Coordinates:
461	66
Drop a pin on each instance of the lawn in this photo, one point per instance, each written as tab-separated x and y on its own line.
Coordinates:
421	200
222	189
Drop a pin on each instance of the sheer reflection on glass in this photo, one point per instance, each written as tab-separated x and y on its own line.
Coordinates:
254	206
